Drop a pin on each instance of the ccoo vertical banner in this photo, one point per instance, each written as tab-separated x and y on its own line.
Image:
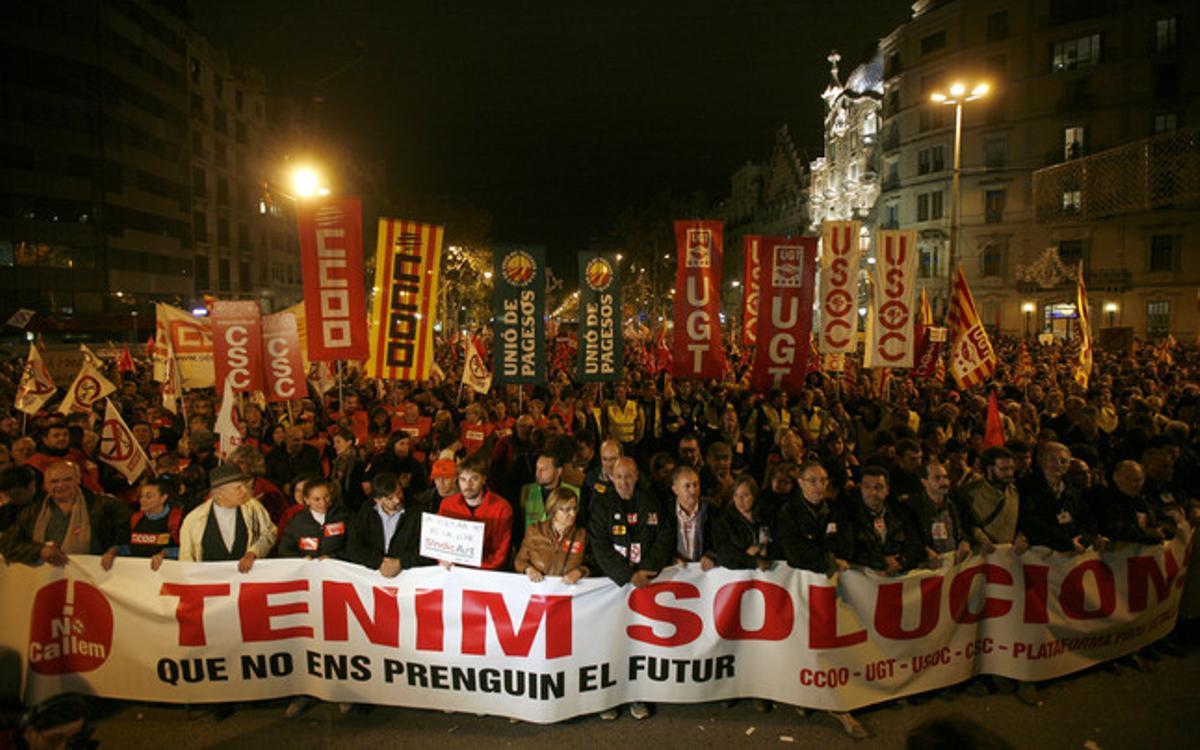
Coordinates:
893	339
751	286
284	372
519	316
839	287
331	255
698	350
406	282
785	314
237	345
601	348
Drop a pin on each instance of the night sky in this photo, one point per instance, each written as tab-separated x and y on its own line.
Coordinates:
555	116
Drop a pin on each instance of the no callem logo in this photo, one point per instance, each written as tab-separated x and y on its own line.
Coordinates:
71	630
518	268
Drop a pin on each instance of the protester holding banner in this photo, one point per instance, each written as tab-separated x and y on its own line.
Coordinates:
385	535
230	525
875	531
474	502
555	546
154	527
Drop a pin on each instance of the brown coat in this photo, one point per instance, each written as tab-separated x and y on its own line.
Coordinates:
550	555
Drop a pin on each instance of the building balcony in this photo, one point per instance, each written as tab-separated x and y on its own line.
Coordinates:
1112	280
1150	174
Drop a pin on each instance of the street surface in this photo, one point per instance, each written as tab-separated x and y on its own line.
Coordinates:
1093	709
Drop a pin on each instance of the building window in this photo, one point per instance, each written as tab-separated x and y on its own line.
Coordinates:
994	206
923	161
221	155
1168	80
1073	142
239	130
244	275
1076	53
933	42
932	117
1164	252
1165	34
997	25
893	67
195	69
202	280
200	226
244	237
1167	122
220	121
1070	252
218	85
199	182
223	274
891	216
931	160
223	191
1158	318
893	103
223	232
927	262
239	100
995	153
993	260
1072	201
923	207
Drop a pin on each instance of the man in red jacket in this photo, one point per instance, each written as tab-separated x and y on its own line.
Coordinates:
475	503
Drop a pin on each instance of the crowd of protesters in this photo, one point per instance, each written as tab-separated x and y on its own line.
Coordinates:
622	480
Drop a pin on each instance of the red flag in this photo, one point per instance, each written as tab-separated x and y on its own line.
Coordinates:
125	361
331	255
284	368
150	348
237	344
785	313
751	286
698	352
993	436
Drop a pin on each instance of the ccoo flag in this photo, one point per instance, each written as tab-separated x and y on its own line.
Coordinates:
407	259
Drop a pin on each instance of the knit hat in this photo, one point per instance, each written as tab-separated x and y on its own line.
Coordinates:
225	474
444	468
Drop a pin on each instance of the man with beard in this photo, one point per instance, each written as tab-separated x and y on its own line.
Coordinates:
990	505
876	531
937	518
474	502
531	508
56	446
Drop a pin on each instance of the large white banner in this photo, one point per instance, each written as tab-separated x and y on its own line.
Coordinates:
495	643
190	339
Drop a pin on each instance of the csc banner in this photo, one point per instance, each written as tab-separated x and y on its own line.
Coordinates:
331	257
284	372
496	643
601	346
698	352
785	314
839	287
751	286
893	340
518	309
237	345
407	263
190	338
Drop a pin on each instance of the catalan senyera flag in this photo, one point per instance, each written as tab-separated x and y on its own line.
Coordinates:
972	359
407	260
1083	368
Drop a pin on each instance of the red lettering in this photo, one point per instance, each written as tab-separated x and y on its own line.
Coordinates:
1036	593
189	612
889	609
1074	600
960	594
338	598
255	612
777	603
554	610
430	629
823	621
687	624
1144	569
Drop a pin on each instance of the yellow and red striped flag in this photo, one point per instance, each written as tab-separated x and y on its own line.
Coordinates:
972	359
1083	369
407	260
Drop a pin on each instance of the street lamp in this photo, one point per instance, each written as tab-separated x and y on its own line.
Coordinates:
959	95
1027	308
307	183
1111	308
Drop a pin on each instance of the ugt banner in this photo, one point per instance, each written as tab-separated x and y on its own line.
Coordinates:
601	346
893	340
407	263
190	339
237	344
839	287
518	310
698	352
331	257
785	314
284	372
496	643
751	286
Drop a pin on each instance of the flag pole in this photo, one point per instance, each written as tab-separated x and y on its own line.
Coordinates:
341	397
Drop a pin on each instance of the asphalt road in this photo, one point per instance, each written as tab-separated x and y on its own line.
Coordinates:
1088	710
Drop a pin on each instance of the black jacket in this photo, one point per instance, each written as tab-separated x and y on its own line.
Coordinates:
806	535
304	537
628	536
1054	521
858	543
108	517
927	516
365	543
1117	516
733	535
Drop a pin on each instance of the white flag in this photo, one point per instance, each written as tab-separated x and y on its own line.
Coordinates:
36	386
90	358
20	318
475	371
118	447
227	422
86	390
172	387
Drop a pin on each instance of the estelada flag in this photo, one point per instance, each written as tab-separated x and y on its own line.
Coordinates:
475	373
88	387
993	435
407	262
972	359
36	386
118	448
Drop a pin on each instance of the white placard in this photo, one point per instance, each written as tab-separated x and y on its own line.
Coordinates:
452	540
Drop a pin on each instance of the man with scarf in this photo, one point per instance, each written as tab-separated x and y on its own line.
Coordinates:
230	525
70	520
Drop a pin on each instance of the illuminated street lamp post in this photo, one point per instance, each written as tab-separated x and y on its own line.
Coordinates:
1027	308
1111	308
959	95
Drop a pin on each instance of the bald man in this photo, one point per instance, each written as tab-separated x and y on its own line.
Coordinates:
630	534
69	520
1123	511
